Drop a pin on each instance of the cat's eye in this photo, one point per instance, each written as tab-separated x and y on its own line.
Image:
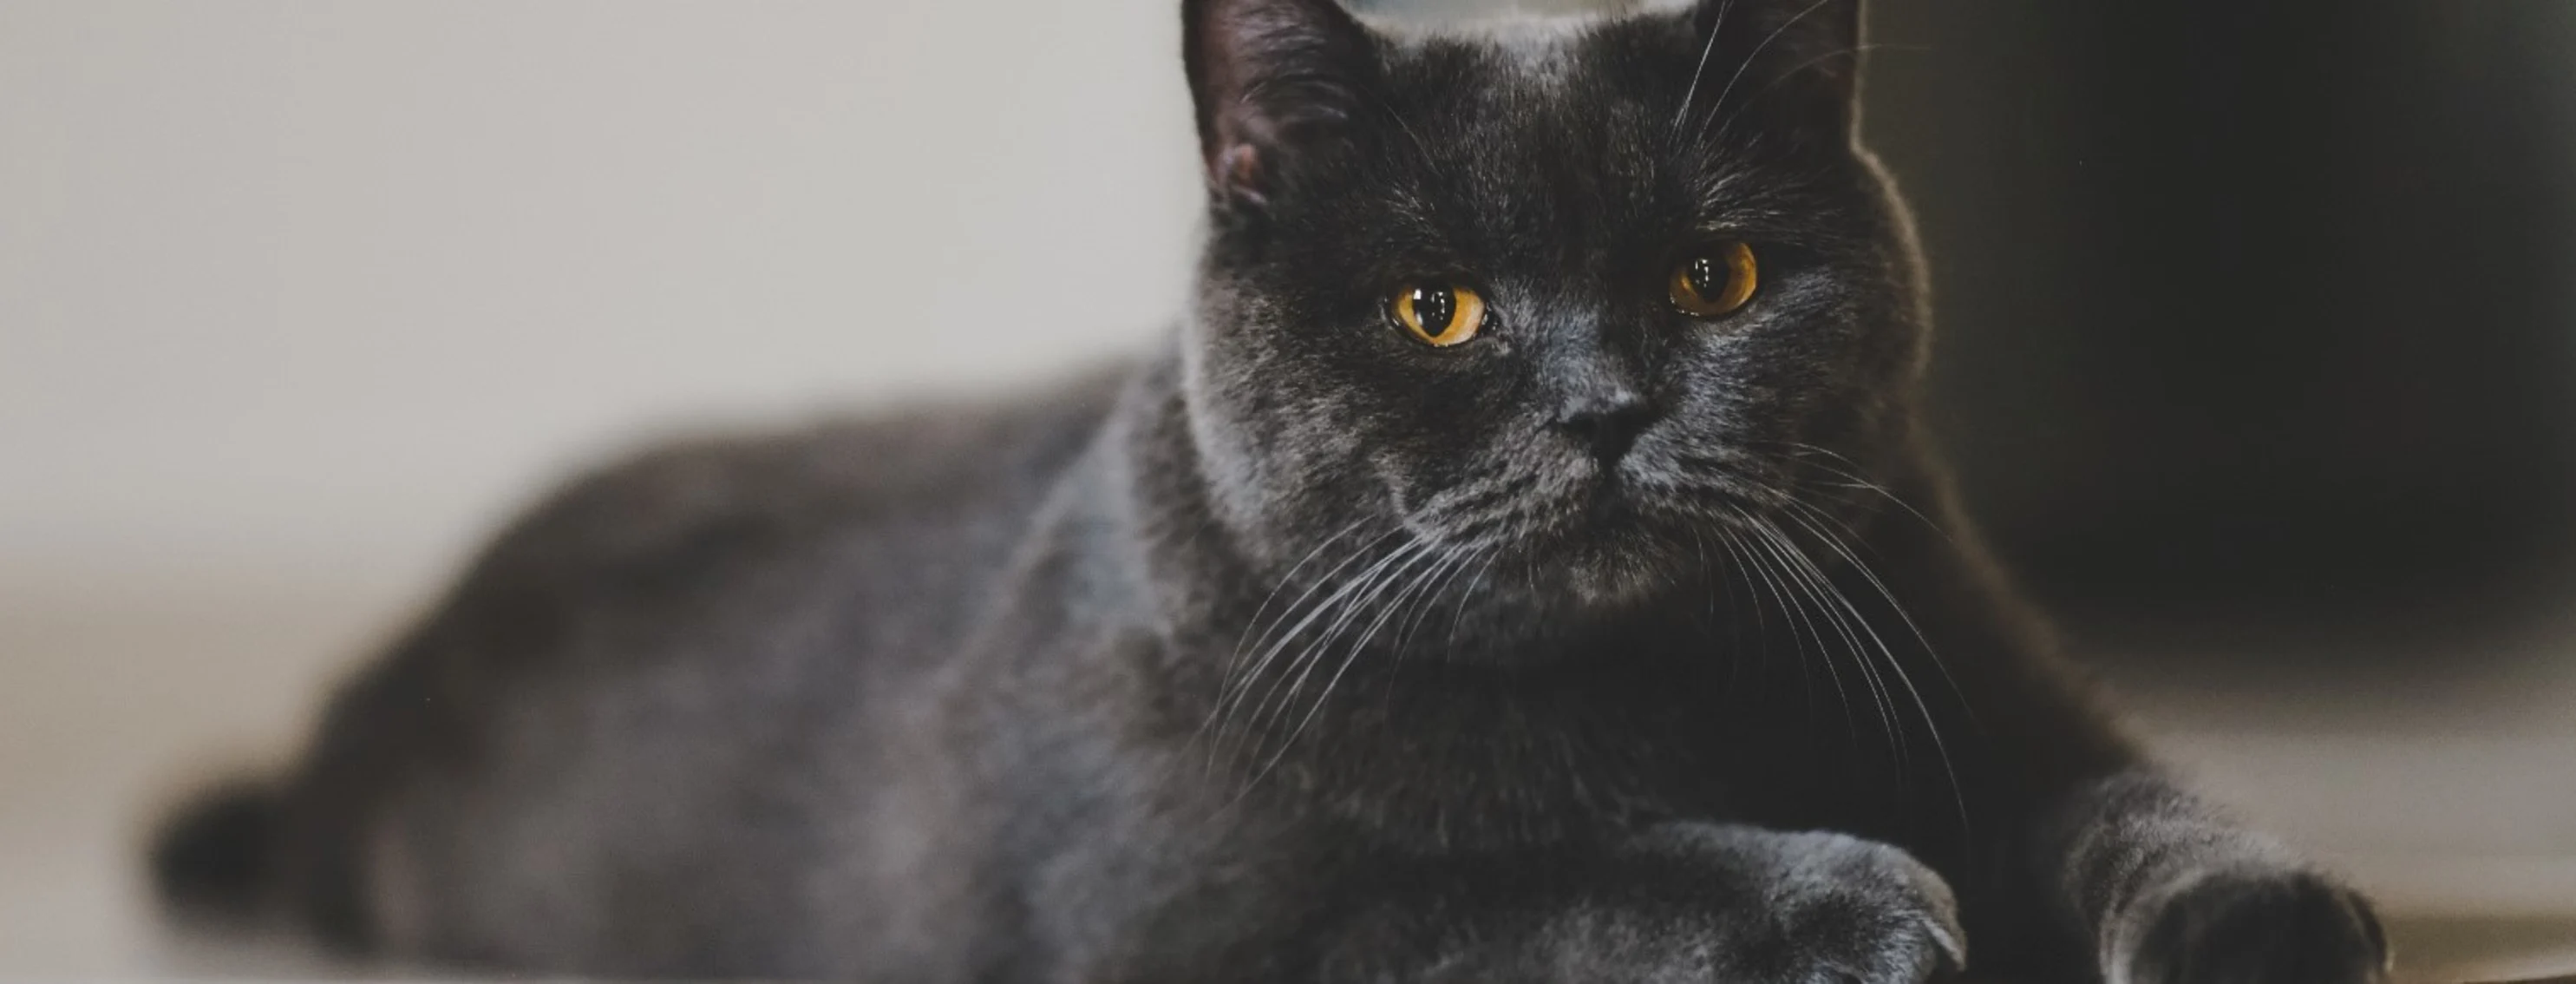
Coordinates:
1715	281
1442	314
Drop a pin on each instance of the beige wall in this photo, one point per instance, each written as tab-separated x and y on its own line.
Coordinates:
296	299
328	283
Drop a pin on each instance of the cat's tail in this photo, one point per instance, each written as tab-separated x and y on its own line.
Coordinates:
216	858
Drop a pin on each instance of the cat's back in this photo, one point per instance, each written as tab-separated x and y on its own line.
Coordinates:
645	656
890	521
926	473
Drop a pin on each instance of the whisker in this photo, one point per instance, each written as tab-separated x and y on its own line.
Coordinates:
1854	51
1714	29
1281	700
1340	601
1246	642
1802	577
1265	643
1761	626
1394	605
1758	49
1237	680
1852	472
1929	651
1465	556
1447	573
1734	635
1883	693
1931	725
1492	553
1798	616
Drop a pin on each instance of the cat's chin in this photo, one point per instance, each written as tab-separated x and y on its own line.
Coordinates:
1609	581
1554	601
1609	569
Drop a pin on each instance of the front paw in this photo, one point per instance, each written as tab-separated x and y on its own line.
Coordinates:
1803	908
1848	911
2259	926
1697	903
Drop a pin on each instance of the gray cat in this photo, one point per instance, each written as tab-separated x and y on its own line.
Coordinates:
1524	564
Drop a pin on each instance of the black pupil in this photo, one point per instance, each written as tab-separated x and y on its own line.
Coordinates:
1434	308
1708	277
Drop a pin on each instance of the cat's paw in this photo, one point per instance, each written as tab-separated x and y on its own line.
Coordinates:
2258	926
1701	903
1842	910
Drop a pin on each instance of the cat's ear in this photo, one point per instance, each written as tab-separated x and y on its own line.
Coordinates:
1799	56
1272	79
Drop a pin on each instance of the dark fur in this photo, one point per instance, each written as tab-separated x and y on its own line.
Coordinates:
1303	651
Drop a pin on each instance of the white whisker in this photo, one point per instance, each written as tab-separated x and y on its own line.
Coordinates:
1931	725
1340	603
1839	611
1393	606
1715	28
1758	49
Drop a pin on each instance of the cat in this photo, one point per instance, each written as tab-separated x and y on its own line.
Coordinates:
1525	562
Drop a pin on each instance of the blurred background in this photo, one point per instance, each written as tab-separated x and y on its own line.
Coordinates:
2258	355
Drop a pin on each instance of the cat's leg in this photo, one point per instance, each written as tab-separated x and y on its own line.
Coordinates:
2170	893
1680	902
2087	859
2104	863
2092	859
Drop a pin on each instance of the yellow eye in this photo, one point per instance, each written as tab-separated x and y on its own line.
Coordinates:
1715	281
1438	313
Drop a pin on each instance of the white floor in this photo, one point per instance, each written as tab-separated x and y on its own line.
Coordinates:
2452	803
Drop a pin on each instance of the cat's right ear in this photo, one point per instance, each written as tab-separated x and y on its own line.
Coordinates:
1273	80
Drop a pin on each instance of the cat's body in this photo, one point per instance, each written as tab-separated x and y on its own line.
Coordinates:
1299	650
669	697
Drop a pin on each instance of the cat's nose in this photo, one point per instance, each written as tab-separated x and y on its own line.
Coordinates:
1606	420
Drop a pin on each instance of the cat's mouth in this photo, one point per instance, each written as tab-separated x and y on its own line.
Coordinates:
1571	540
1609	545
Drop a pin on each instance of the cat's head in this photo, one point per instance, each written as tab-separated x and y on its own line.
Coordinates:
1561	296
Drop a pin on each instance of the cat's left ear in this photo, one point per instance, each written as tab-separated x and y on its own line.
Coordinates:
1273	80
1798	56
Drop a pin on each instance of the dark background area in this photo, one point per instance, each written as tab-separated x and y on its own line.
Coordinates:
2251	308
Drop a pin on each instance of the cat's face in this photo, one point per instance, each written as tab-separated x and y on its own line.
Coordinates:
1604	190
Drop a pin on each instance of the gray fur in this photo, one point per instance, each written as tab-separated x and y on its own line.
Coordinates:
1613	645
